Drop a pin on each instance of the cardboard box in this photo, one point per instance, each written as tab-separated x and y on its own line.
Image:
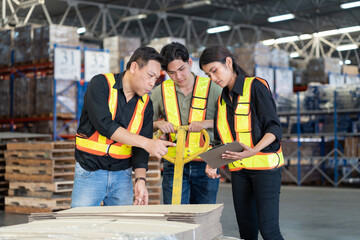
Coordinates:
350	69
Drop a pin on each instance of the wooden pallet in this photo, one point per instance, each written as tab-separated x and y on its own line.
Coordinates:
56	187
21	192
42	154
40	178
41	145
52	203
56	162
40	170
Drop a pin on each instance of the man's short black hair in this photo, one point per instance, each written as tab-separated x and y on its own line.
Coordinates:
143	55
173	51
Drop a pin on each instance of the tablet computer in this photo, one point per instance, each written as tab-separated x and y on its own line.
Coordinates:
213	157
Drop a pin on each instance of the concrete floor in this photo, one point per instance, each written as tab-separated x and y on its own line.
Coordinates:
310	213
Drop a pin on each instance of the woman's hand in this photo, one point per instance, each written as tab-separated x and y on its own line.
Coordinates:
211	172
248	152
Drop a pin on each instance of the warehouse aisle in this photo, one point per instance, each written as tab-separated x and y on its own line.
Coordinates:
310	213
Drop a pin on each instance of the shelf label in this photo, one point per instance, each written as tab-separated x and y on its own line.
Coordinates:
67	64
96	62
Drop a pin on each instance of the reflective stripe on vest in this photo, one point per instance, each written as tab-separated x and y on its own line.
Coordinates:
243	129
197	112
100	145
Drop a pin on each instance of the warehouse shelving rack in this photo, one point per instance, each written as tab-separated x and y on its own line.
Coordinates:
43	67
333	157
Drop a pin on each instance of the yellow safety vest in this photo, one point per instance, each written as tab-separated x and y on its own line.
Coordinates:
198	107
243	129
100	145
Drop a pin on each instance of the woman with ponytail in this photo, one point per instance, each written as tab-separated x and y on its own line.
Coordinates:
246	113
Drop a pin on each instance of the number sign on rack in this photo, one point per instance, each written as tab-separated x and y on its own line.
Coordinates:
67	63
96	62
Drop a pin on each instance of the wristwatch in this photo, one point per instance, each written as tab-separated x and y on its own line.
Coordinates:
140	178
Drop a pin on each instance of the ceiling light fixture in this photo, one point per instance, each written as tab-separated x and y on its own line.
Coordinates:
218	29
309	36
347	62
281	17
294	55
196	4
81	30
346	47
350	5
287	39
134	17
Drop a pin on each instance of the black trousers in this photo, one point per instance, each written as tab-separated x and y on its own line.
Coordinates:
256	201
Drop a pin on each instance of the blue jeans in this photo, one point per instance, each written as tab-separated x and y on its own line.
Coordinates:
110	187
197	187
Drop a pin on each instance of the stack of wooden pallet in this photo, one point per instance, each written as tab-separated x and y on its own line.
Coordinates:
41	176
153	181
3	184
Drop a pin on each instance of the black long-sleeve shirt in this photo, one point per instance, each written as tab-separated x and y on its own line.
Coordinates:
264	117
96	116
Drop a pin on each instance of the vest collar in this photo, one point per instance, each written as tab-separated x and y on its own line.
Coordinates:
237	89
119	84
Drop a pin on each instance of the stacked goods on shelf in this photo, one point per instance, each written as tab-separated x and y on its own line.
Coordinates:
119	48
45	37
183	222
4	185
4	98
249	55
319	68
24	96
352	147
321	97
159	43
44	95
350	69
5	47
153	180
299	77
22	44
41	176
279	58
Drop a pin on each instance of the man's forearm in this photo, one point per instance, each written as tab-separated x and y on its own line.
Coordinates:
122	135
208	123
140	172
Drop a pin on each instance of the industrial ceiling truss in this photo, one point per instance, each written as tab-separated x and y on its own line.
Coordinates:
189	19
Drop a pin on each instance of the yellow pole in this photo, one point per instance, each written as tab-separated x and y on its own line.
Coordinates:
178	166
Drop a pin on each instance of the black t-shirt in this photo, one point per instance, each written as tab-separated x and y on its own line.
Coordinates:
264	117
96	116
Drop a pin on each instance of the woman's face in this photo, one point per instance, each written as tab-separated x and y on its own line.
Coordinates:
218	72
